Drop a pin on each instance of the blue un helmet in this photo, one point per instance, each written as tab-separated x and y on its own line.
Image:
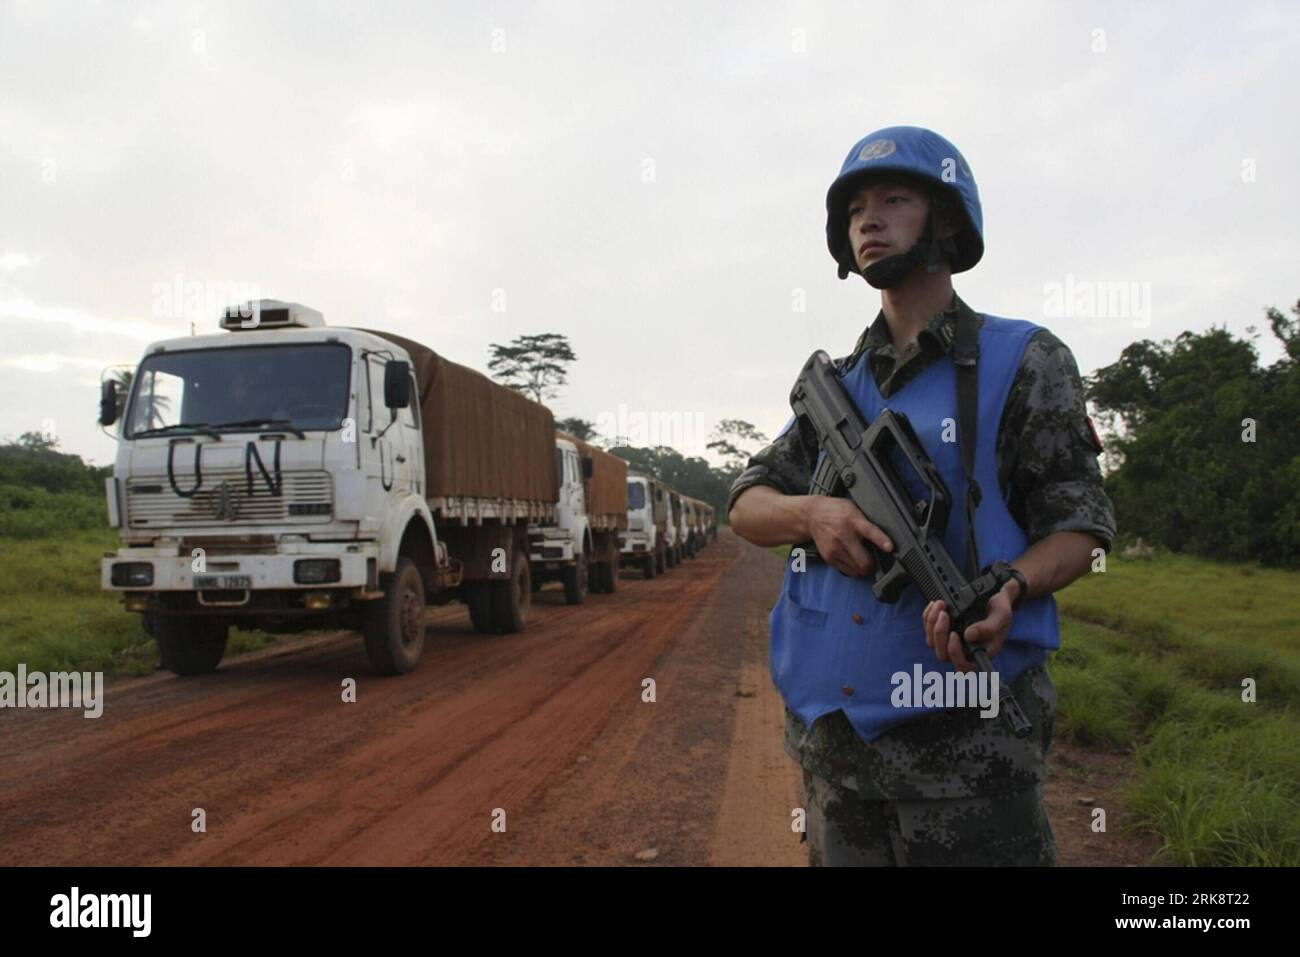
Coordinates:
911	153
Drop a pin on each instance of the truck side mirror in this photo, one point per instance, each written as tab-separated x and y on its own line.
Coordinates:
397	384
108	402
587	467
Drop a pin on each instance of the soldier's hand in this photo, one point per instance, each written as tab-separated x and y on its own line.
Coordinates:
840	531
991	632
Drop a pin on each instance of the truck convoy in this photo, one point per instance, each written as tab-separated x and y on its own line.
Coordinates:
283	474
656	539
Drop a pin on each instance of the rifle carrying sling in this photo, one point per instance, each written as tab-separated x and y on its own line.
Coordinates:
966	354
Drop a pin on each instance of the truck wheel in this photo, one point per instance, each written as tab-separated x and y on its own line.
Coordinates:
661	561
609	581
649	566
190	645
575	581
512	598
478	596
394	625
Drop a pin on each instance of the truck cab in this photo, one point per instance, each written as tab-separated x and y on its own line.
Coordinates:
644	543
273	475
563	550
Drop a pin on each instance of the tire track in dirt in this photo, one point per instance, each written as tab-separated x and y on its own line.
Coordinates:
287	773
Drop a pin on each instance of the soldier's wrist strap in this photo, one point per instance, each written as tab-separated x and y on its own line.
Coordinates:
1005	573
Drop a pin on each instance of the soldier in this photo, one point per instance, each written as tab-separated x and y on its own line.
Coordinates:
900	785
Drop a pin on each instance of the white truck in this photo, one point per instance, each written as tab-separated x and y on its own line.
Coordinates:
284	474
581	548
644	544
681	520
699	517
672	527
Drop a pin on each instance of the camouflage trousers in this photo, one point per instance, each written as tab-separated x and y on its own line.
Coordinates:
845	829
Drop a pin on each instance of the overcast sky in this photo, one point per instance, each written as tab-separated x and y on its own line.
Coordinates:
648	179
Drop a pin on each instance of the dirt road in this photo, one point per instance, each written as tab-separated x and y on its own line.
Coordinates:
539	748
546	732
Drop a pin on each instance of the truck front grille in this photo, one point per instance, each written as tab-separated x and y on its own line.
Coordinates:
306	498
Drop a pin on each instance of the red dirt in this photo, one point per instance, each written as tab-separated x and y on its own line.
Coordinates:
549	726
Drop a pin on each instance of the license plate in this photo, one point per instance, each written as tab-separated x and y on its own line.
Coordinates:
222	582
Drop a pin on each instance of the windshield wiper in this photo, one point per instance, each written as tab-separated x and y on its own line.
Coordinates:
194	426
286	424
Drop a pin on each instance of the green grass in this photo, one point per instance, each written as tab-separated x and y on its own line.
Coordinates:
1153	657
53	615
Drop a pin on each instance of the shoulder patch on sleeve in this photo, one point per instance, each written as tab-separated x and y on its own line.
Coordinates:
1092	431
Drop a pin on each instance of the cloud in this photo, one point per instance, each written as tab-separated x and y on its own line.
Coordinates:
50	362
20	309
11	261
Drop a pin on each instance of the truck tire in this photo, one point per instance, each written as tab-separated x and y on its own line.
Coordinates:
512	597
190	645
394	625
576	581
478	596
609	578
661	560
649	566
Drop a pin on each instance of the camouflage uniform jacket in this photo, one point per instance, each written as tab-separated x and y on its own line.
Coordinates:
1048	473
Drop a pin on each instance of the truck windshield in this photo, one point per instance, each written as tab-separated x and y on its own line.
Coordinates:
635	495
301	385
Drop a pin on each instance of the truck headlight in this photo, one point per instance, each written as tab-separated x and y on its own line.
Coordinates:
132	574
316	571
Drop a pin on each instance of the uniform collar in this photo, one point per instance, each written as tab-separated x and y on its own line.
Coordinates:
938	332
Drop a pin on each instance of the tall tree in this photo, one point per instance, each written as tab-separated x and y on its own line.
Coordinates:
533	365
734	440
579	428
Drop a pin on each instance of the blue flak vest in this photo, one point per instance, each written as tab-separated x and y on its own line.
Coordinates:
822	659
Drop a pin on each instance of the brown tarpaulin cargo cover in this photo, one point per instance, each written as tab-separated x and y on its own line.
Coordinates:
480	438
607	487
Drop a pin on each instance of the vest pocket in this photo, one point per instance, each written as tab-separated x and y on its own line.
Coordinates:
806	616
795	607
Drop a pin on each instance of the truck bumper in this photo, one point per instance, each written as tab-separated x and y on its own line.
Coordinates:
633	543
551	553
309	566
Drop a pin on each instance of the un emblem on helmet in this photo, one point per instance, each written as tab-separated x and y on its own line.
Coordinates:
877	149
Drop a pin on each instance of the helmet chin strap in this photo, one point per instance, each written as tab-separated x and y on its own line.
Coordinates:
890	271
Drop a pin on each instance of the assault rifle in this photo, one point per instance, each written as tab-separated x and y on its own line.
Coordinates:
861	463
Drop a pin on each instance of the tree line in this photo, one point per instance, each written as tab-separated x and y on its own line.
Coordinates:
1205	443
